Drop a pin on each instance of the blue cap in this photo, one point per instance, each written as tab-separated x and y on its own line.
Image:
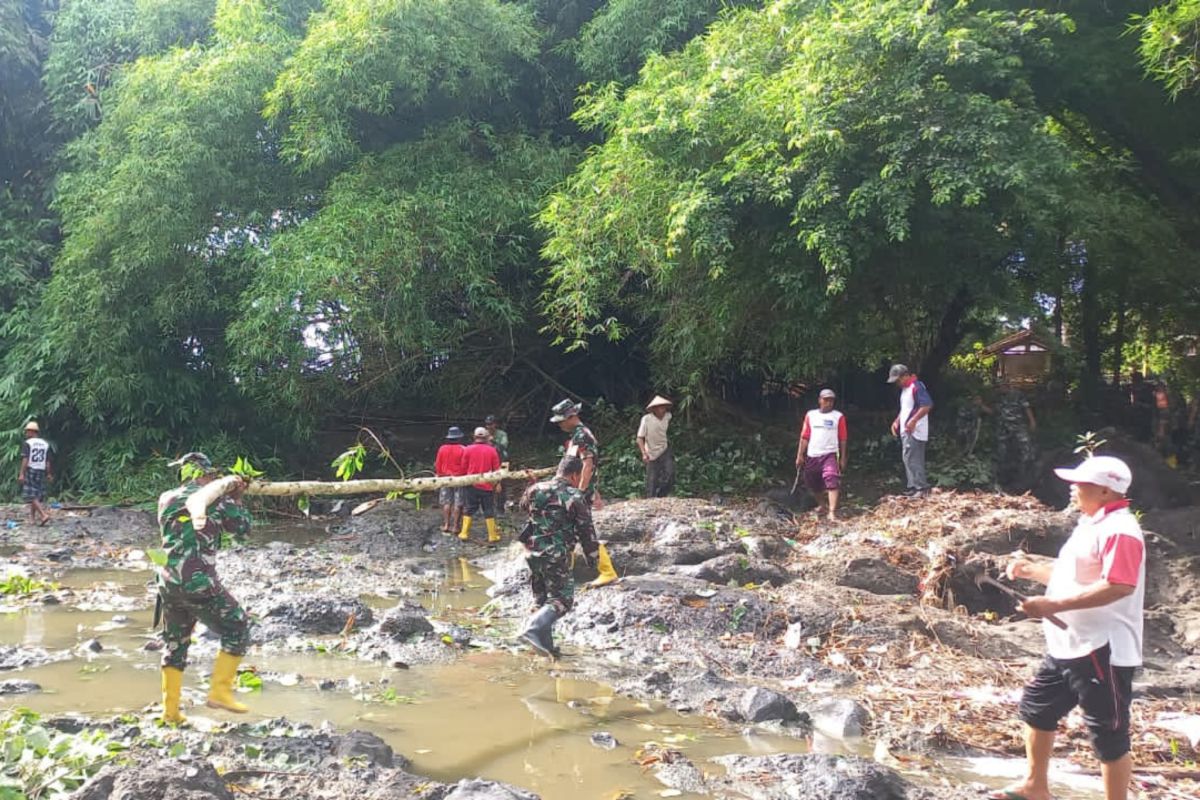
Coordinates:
455	432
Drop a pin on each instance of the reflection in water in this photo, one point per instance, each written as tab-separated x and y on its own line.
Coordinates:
491	714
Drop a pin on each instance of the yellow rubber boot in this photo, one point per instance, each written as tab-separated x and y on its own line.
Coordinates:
465	533
220	693
604	567
172	689
493	534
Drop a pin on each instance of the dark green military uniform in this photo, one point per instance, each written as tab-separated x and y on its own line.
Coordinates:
188	584
559	516
1016	451
583	445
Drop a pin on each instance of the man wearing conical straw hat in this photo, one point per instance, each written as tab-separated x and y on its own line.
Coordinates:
656	450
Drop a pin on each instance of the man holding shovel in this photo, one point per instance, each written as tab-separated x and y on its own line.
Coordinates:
1096	588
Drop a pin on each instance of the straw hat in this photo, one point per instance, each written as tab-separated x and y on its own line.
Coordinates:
32	426
658	400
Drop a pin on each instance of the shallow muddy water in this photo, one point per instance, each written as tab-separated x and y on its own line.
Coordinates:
491	714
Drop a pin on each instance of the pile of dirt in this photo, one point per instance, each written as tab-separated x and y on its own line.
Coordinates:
721	603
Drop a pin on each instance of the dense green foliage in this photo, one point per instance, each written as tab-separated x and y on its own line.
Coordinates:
224	222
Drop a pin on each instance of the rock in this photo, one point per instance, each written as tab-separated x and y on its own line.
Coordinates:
877	576
460	635
735	568
793	637
153	646
362	744
165	779
839	718
676	771
92	646
479	789
405	621
121	619
316	614
18	687
60	554
764	705
810	777
51	600
602	739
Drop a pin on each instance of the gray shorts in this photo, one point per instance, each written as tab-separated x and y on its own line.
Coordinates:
455	496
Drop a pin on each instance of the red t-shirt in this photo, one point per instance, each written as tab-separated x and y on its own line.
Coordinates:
449	460
480	457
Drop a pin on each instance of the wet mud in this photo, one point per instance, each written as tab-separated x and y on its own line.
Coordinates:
849	660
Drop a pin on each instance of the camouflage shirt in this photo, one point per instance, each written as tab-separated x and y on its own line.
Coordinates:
559	516
192	554
583	445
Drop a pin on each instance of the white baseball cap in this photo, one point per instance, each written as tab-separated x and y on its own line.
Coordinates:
827	393
481	433
1107	471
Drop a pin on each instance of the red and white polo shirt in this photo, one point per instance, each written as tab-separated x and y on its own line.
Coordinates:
1106	546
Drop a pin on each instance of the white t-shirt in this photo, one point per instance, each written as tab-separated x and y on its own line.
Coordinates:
825	432
36	452
1108	546
654	431
913	397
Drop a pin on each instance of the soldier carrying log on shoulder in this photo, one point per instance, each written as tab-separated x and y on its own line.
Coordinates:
559	516
193	518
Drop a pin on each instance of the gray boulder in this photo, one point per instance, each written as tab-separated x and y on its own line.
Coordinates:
479	789
165	779
406	620
810	777
764	705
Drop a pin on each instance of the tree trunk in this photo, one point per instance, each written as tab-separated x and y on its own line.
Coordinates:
950	332
1089	319
1119	336
376	485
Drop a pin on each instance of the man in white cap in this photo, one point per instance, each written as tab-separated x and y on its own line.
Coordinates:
822	450
34	473
1096	587
479	458
656	450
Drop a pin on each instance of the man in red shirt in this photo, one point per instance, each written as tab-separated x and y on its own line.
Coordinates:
449	463
478	458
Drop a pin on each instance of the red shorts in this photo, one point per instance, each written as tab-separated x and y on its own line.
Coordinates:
822	472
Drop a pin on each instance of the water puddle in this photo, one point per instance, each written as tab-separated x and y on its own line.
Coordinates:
493	714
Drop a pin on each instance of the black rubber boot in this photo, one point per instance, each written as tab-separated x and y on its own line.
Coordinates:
539	631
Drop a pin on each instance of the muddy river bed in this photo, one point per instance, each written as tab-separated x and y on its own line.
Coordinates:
744	654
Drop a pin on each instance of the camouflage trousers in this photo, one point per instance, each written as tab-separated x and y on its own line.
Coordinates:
551	581
215	607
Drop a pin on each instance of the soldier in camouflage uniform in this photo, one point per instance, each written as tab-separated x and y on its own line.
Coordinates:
1016	451
583	445
559	516
189	589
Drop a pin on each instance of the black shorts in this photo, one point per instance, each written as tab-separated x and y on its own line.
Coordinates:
481	499
1092	683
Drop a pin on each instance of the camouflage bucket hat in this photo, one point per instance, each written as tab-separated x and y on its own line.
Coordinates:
565	410
196	460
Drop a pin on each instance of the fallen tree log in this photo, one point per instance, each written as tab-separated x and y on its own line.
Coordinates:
376	485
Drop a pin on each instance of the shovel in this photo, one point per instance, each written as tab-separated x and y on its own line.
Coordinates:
983	579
